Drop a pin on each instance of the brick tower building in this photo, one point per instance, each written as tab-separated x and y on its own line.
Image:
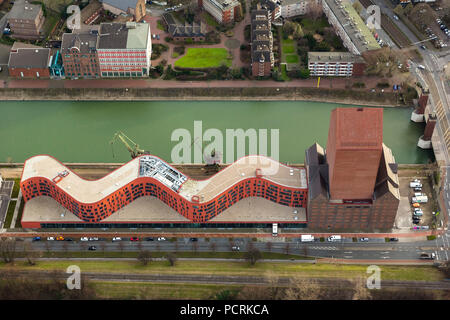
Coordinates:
353	185
354	150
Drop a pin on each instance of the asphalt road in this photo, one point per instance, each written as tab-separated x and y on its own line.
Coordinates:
5	196
375	249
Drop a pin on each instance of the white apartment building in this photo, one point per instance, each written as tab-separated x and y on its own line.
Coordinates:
292	8
335	64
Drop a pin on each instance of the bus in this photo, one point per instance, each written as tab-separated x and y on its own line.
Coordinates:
274	229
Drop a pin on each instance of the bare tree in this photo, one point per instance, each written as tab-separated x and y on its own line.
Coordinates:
305	250
195	246
176	245
361	292
253	255
83	246
144	257
287	247
171	258
8	250
315	9
47	246
139	245
302	289
65	247
121	246
445	268
231	243
29	254
213	246
269	246
103	247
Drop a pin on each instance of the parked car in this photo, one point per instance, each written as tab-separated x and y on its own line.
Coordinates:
427	256
93	239
68	239
416	205
364	239
334	238
423	47
235	248
395	17
92	248
134	239
393	239
193	239
116	239
417	189
36	239
84	239
157	37
50	238
59	238
161	239
149	239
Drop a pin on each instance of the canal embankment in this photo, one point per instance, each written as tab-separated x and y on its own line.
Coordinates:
195	171
341	96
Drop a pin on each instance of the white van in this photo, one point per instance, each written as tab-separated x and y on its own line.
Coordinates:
415	184
420	199
307	238
334	238
274	229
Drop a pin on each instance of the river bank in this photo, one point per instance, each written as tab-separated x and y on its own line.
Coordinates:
341	96
197	171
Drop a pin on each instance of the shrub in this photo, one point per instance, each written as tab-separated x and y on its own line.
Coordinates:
359	85
383	85
431	237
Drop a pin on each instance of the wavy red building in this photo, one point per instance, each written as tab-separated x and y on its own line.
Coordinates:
197	201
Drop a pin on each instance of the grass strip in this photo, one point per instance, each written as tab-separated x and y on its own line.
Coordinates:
411	273
9	214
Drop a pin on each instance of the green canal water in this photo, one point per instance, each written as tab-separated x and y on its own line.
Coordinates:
81	131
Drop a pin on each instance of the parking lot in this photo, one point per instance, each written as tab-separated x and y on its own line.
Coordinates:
405	214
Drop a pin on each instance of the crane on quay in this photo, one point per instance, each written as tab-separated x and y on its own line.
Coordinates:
131	146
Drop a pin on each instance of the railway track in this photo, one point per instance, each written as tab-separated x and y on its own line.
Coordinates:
394	32
221	279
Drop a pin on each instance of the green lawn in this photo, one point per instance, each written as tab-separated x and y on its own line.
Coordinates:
160	25
284	73
9	215
424	273
16	188
314	26
204	58
139	290
289	48
188	254
210	20
19	215
292	58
